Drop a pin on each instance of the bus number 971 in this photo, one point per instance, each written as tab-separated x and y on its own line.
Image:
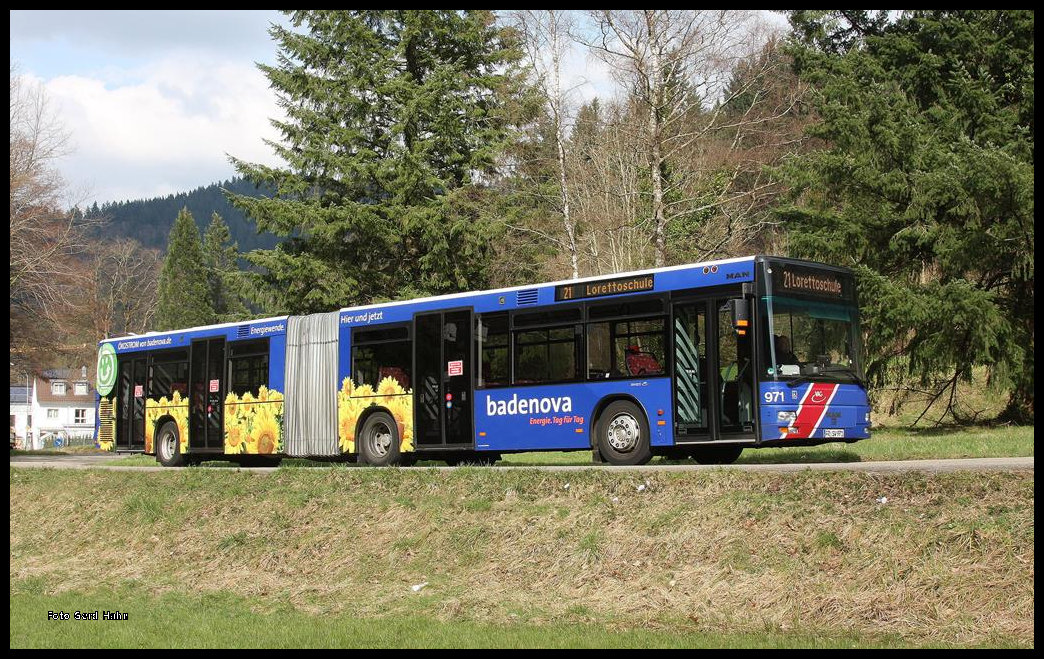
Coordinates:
774	397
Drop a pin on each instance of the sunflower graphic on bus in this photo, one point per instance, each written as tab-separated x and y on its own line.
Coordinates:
175	407
353	400
254	424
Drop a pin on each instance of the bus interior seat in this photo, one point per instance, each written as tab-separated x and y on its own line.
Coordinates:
642	363
395	373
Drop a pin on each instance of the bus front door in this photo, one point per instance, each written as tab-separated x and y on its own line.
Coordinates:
207	387
691	378
713	374
130	403
442	354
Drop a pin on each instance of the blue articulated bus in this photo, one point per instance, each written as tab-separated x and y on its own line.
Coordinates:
698	361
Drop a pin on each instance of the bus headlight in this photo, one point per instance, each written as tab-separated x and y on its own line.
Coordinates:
786	417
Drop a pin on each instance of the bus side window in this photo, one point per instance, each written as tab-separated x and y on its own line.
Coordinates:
382	355
248	367
492	343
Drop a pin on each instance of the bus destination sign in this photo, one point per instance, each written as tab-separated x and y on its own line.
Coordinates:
802	281
604	287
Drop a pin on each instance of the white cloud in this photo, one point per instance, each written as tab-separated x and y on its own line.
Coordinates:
167	132
154	101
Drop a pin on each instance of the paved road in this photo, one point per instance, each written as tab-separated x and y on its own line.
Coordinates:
973	464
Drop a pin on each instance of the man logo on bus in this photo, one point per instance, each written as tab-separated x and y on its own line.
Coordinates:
106	369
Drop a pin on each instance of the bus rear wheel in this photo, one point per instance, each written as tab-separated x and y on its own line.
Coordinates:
168	446
623	434
716	455
379	445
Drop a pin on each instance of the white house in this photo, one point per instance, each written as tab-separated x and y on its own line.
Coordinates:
21	413
62	407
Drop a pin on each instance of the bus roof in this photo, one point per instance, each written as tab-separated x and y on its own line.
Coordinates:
452	296
614	275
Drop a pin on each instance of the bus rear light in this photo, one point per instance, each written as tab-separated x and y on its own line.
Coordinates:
659	412
661	423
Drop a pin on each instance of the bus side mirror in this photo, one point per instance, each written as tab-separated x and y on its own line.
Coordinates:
739	309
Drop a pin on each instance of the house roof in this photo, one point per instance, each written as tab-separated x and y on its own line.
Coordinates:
63	374
44	395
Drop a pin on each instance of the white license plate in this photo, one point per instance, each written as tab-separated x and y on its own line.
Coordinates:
834	432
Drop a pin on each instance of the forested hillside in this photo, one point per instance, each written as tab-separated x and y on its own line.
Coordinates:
149	220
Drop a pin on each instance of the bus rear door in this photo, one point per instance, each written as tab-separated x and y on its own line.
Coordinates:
442	362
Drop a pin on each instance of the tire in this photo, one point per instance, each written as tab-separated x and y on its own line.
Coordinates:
623	434
717	455
379	441
168	446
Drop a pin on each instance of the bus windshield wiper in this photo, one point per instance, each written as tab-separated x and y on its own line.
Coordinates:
847	371
808	378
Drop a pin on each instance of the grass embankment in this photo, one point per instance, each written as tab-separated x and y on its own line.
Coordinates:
206	557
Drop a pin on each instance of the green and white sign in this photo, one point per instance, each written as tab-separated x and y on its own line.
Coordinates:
106	369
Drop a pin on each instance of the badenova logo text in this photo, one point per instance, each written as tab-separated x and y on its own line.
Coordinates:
528	405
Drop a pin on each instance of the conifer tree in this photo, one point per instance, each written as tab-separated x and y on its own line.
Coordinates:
395	119
221	256
184	293
926	187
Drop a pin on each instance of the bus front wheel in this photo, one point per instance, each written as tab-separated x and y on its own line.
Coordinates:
380	441
168	447
623	434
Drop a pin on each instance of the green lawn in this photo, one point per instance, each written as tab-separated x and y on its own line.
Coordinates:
221	620
522	558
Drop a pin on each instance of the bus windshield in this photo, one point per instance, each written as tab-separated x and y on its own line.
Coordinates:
811	340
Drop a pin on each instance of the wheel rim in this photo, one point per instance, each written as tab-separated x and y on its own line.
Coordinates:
623	433
380	439
168	445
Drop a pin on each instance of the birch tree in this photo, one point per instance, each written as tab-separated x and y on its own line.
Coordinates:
678	65
546	40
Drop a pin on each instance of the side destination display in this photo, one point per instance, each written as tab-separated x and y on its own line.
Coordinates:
604	287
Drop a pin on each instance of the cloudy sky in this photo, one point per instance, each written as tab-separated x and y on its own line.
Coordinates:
156	101
153	100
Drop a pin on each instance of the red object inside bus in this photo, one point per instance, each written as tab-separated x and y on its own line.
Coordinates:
641	363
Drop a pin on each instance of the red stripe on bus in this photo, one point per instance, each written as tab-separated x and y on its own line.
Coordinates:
813	406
